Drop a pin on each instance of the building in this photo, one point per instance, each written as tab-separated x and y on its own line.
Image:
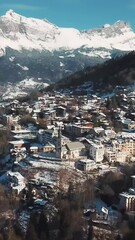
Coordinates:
86	165
113	156
59	150
47	135
15	181
61	111
77	130
24	134
124	144
49	147
96	151
8	119
18	144
75	149
127	199
110	155
109	133
133	181
71	150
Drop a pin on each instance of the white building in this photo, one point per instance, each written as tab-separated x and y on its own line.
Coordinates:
113	156
86	165
122	156
110	155
127	199
124	145
133	181
96	151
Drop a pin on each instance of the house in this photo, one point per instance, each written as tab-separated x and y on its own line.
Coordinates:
96	151
127	199
49	147
113	156
16	182
36	147
86	165
61	111
110	155
18	144
15	104
24	134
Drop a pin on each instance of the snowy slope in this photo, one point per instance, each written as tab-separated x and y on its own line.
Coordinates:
18	32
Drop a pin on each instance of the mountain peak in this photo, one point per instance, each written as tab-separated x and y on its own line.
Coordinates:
11	13
121	24
12	16
20	32
15	17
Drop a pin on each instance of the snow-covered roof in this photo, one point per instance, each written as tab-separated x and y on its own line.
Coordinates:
18	142
40	202
127	195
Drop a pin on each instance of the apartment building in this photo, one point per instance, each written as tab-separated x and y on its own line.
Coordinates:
127	199
96	151
126	145
77	130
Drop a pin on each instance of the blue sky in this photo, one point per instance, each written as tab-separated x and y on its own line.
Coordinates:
80	14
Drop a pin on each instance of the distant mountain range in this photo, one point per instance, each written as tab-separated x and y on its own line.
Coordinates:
39	50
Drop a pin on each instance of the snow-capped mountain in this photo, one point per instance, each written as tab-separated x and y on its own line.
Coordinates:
18	32
38	49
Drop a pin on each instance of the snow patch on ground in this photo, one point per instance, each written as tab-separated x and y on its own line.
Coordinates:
62	64
22	67
23	88
11	59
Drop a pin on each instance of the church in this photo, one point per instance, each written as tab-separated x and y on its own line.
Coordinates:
69	150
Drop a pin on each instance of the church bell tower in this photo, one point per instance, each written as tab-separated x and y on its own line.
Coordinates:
59	145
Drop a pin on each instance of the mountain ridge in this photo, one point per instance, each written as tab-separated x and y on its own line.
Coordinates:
37	49
19	32
104	77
